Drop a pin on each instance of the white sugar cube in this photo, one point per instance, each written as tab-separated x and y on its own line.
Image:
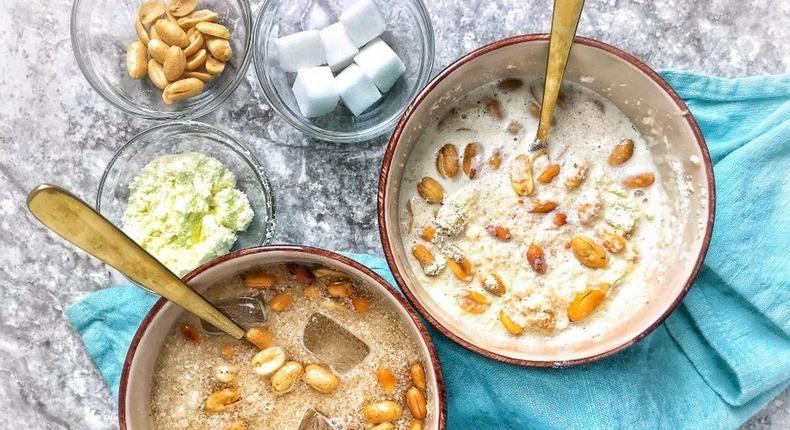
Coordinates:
363	22
339	49
356	89
381	64
300	50
315	91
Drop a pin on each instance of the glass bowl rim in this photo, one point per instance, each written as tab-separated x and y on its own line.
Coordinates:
274	99
187	113
228	141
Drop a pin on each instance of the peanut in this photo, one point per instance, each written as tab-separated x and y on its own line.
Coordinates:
447	161
428	233
320	378
196	60
416	403
203	77
268	361
386	380
285	378
181	8
213	29
462	269
430	190
473	302
182	89
137	60
214	66
141	33
158	50
281	301
196	41
471	152
260	337
584	304
237	425
415	425
417	373
521	175
157	74
171	33
259	280
198	16
175	63
383	426
150	11
622	152
219	48
588	252
222	400
383	411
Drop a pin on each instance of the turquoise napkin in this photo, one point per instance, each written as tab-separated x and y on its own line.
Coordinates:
719	358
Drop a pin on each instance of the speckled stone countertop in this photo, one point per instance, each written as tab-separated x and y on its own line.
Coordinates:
54	127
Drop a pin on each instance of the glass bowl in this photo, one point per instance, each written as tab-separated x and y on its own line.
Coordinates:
189	136
102	29
409	33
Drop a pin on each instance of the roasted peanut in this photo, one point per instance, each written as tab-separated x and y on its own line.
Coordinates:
226	373
415	425
340	289
197	60
222	400
181	8
549	174
498	231
171	33
423	255
494	108
511	326
540	207
175	63
285	378
259	280
198	16
584	304
268	361
521	175
447	161
219	48
494	284
471	159
213	29
428	233
325	272
228	351
142	34
622	152
196	42
386	380
462	268
430	190
320	378
640	181
182	89
260	337
415	400
588	252
536	258
214	66
158	50
150	11
473	302
383	426
204	77
301	274
281	301
361	304
137	60
156	73
417	373
383	411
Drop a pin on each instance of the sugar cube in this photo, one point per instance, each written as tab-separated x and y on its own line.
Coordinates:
339	49
381	64
363	22
299	50
356	89
315	91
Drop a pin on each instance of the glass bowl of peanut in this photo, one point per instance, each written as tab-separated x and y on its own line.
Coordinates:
163	59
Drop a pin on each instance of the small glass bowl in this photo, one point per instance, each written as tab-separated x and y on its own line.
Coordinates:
409	33
102	29
189	136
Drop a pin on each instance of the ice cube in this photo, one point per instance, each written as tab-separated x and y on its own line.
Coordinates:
339	49
315	91
332	344
363	22
244	311
314	420
300	50
356	89
381	64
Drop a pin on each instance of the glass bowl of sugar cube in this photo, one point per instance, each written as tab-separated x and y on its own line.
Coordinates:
342	70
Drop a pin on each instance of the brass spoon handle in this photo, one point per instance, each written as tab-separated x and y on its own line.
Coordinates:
563	28
80	224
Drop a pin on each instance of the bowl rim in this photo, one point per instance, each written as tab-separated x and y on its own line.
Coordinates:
180	114
311	251
383	197
239	148
274	100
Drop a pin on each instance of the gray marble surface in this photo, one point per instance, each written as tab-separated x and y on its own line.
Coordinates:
54	127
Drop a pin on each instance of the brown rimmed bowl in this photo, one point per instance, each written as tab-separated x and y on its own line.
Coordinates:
636	90
138	369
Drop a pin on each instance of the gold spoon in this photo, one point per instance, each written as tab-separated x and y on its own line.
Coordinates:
78	223
564	21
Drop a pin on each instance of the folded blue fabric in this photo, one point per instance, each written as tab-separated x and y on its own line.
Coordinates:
719	358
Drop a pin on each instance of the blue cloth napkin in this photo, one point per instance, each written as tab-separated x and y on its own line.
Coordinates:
719	358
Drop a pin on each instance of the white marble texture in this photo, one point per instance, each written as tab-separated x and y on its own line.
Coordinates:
54	127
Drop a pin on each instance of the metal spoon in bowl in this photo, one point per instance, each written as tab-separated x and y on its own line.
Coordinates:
564	21
78	223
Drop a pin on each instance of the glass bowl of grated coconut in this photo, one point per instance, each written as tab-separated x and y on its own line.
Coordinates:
187	192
